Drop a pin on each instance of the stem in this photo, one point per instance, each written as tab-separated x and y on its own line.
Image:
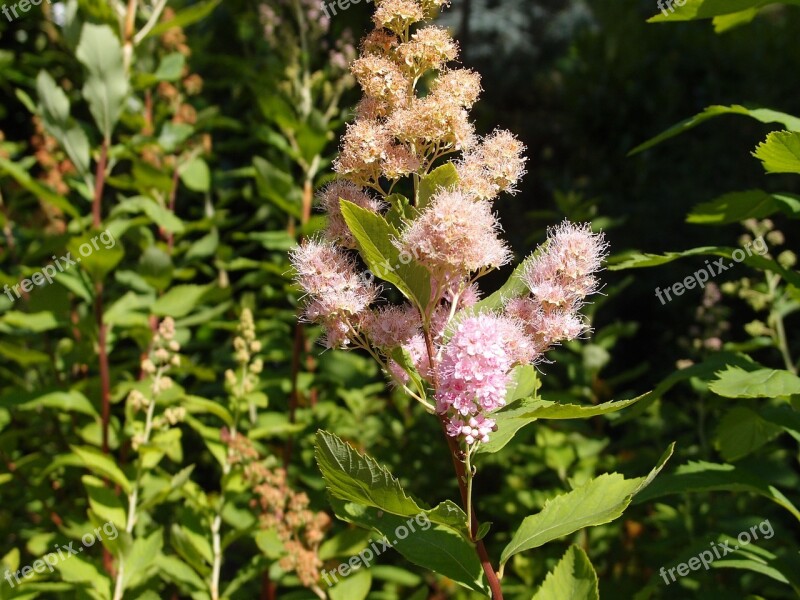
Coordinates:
458	466
217	567
469	474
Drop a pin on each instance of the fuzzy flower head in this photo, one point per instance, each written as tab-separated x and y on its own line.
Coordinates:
429	48
563	275
398	15
392	326
493	166
461	86
455	236
474	370
337	296
364	146
329	199
545	328
381	78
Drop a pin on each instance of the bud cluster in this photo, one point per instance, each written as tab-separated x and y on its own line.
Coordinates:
162	357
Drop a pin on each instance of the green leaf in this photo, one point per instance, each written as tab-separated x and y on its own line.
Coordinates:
196	175
102	465
30	322
441	178
359	478
706	9
572	577
54	110
278	187
353	587
159	215
69	401
106	84
188	16
23	178
700	476
170	68
198	405
374	237
78	570
637	260
764	115
104	502
738	206
141	561
780	152
599	501
723	23
180	300
438	548
515	416
94	256
742	431
762	383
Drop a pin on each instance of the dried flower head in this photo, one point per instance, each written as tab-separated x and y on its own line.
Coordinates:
398	15
429	48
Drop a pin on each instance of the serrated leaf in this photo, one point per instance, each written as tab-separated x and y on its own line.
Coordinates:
524	412
762	383
438	548
358	478
598	501
780	152
573	577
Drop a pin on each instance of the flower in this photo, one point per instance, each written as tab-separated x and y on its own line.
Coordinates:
398	15
563	275
473	373
455	236
337	295
392	326
330	197
493	166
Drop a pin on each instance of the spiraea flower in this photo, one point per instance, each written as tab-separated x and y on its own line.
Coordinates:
337	295
413	117
563	275
493	166
474	369
329	199
398	15
392	326
429	48
455	236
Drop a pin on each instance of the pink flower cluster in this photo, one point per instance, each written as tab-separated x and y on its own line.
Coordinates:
430	345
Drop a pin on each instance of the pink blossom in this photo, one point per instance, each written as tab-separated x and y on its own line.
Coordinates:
474	370
455	236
